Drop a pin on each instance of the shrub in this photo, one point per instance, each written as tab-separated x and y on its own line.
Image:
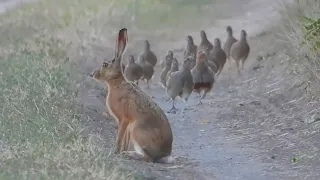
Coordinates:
301	30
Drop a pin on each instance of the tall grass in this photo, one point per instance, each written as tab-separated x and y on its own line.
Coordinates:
41	45
300	29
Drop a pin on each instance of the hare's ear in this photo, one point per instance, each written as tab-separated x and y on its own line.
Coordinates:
121	43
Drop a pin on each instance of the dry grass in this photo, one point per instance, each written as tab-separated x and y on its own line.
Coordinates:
41	48
305	61
41	123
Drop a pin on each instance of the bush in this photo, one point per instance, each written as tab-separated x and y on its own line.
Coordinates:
301	25
311	31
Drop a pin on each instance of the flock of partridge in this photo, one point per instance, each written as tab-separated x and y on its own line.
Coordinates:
141	122
200	66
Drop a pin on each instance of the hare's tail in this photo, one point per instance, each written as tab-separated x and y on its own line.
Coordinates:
167	160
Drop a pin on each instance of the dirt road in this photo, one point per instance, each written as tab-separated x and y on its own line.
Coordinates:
248	127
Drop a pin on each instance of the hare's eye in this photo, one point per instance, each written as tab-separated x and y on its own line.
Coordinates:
105	64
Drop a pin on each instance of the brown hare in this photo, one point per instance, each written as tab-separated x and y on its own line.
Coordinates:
240	50
140	120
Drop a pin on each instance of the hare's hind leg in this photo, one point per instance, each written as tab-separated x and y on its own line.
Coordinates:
141	141
141	151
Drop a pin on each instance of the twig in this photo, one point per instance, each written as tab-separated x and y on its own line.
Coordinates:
249	80
272	90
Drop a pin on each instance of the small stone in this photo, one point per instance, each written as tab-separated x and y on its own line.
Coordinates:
315	117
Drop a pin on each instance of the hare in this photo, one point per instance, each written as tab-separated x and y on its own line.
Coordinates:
229	42
169	57
240	50
202	75
219	56
204	42
122	65
140	120
191	49
133	71
148	55
180	83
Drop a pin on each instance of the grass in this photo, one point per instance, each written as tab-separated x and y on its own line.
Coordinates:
304	53
41	45
41	122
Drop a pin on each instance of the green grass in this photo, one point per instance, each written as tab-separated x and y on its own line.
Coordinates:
298	33
41	121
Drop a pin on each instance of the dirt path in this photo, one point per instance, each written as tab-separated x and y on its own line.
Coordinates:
246	128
